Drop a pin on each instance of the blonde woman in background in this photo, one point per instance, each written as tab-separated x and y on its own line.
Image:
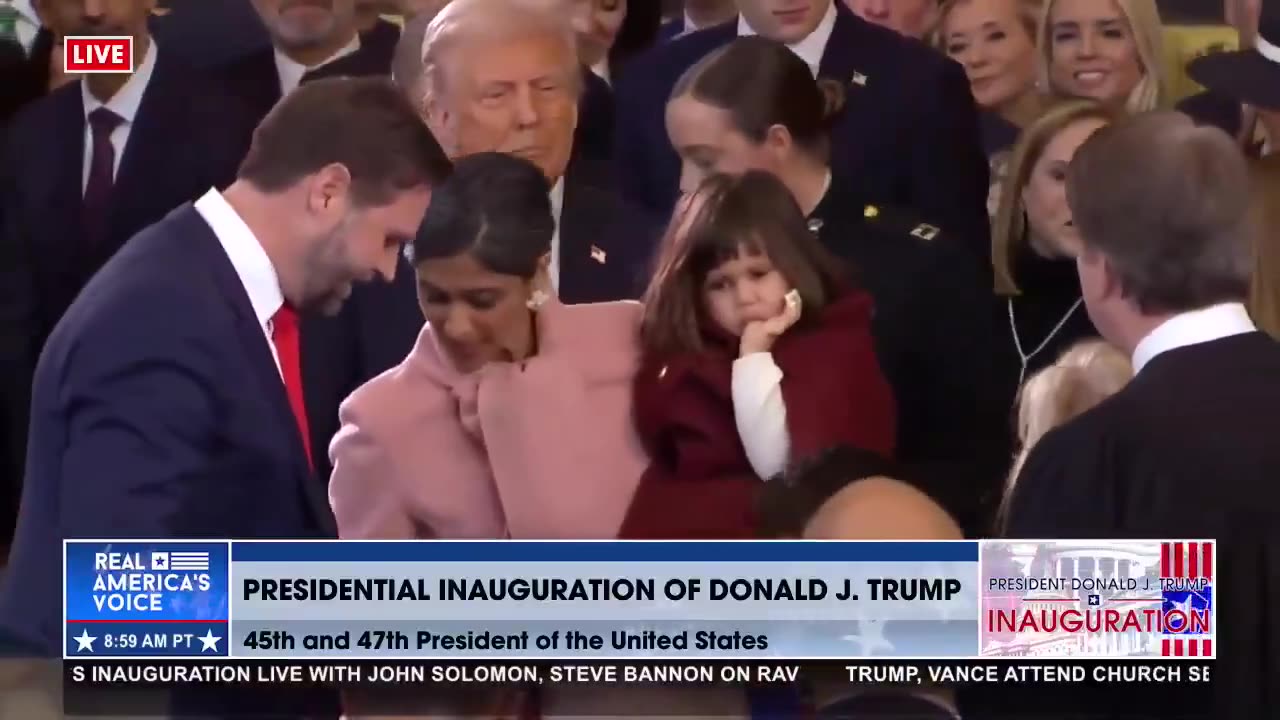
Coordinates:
1111	51
1038	308
1088	373
1264	293
995	42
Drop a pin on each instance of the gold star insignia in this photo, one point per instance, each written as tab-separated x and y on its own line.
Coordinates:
870	211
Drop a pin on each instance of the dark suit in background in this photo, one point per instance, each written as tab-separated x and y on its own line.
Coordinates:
185	139
207	34
606	243
255	78
594	134
26	75
158	412
933	339
908	137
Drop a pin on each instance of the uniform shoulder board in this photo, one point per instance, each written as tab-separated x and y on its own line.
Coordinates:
925	231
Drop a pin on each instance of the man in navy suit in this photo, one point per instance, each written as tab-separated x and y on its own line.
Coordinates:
908	136
308	40
698	14
505	77
84	168
378	327
168	401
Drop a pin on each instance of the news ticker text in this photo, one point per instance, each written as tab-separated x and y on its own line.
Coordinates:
177	674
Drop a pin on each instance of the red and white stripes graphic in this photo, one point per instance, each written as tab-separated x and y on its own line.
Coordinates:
1187	560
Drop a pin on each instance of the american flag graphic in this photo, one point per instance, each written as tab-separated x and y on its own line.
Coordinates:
1187	562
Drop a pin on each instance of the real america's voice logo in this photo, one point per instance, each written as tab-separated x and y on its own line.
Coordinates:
145	598
1098	598
125	581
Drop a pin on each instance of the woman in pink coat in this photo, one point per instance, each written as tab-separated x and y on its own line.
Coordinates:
511	417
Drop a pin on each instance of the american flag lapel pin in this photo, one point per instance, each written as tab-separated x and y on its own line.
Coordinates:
859	79
597	254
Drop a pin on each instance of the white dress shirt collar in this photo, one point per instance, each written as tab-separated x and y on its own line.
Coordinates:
601	70
290	71
812	47
128	98
1192	328
245	252
557	206
690	25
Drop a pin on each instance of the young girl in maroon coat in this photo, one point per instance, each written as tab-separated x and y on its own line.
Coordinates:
757	352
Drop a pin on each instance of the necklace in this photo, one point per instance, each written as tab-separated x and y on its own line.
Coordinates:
1025	357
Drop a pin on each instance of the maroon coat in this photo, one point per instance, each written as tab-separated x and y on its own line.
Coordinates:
699	483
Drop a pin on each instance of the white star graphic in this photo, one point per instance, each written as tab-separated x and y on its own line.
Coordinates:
870	636
84	641
209	641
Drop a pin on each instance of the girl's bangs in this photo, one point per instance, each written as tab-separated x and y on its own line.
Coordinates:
714	244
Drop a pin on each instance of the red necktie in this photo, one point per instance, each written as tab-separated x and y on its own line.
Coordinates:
284	333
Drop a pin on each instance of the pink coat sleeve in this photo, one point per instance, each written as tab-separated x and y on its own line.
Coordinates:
362	490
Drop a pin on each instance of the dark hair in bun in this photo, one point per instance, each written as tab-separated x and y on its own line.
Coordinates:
762	83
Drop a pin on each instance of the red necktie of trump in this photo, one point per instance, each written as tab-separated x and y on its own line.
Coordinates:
284	334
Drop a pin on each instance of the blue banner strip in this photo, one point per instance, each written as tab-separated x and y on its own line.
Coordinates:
603	551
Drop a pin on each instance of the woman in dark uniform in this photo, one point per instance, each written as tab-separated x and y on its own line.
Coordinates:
755	105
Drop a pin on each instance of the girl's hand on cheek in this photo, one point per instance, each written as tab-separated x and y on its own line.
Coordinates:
759	336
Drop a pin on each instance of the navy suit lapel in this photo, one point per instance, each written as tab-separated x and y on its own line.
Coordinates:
265	373
840	57
58	187
156	148
583	218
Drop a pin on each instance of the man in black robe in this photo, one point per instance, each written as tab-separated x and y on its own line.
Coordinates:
1191	447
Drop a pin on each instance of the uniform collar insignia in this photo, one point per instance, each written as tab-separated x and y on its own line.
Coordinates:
597	254
859	79
925	231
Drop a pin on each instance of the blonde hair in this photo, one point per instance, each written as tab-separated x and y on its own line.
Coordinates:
1009	227
1086	374
1264	290
1028	13
1148	36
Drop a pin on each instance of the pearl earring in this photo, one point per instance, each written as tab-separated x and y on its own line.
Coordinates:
537	299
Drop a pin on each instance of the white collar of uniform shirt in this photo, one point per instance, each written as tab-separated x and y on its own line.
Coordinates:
811	48
290	71
28	23
1192	328
124	103
557	205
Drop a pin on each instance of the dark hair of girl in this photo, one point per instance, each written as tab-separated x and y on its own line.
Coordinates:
762	83
726	216
494	206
